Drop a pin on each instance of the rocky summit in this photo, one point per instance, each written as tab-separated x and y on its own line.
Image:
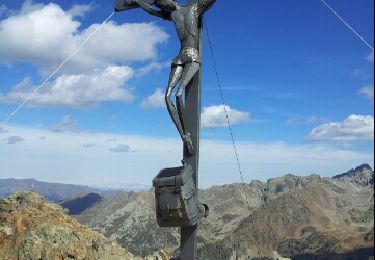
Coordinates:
32	228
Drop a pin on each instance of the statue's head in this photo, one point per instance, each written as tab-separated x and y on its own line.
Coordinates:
166	5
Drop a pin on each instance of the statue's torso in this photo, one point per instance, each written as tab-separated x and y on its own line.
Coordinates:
186	20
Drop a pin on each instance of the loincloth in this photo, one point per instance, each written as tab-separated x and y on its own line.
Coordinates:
186	55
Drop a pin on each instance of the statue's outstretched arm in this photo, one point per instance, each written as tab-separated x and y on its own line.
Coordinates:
204	5
152	11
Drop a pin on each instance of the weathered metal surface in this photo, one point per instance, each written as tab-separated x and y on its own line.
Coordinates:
176	201
187	63
180	209
123	5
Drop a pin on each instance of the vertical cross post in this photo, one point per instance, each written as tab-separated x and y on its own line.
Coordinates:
191	121
188	245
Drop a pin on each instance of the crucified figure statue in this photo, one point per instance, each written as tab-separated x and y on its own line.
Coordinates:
187	63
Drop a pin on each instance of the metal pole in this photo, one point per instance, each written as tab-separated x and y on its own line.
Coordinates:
188	246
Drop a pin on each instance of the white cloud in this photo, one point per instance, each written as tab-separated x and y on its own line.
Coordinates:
14	139
77	90
355	127
214	116
153	66
67	124
23	85
3	130
121	148
44	35
98	166
79	10
304	120
156	100
370	57
89	145
367	91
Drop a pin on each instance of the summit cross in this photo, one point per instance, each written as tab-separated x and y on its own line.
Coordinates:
178	206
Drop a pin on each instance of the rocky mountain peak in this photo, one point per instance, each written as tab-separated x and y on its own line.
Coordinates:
32	228
363	168
362	175
289	182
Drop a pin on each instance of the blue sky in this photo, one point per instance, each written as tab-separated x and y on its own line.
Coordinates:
299	86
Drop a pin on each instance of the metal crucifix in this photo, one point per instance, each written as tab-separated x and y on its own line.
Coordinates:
176	189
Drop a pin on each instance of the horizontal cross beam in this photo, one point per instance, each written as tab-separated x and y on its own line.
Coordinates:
122	5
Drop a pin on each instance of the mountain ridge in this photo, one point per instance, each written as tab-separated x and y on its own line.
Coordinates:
290	216
359	169
49	190
338	212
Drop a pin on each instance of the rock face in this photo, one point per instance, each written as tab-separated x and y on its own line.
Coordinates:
129	219
31	228
301	216
361	175
310	242
289	216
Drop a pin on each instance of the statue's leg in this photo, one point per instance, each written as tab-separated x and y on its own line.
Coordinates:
189	72
174	78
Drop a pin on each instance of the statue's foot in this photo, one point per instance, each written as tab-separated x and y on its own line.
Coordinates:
189	143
